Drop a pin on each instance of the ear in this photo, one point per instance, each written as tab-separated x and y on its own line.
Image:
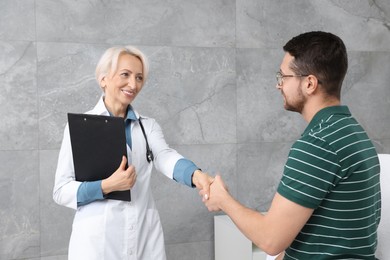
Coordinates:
103	82
311	84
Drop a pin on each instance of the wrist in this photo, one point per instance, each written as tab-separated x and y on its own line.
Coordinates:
195	177
106	187
228	203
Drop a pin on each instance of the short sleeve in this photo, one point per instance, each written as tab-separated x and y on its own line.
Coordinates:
311	171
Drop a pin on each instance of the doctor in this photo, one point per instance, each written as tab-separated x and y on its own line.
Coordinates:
114	229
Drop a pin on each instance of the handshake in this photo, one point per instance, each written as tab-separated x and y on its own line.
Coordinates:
213	191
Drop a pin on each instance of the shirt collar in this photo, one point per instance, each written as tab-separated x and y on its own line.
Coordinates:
101	109
326	113
130	114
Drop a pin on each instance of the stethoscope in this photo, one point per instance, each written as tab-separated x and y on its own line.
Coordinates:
149	153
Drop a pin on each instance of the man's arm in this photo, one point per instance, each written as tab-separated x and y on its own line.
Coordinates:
272	232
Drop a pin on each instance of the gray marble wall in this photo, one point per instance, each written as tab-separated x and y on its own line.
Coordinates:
211	87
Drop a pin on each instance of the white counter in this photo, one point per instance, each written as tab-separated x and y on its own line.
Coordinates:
231	244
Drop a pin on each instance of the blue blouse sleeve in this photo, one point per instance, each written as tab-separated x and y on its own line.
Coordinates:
88	192
183	171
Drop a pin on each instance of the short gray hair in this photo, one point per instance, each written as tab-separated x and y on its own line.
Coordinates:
108	63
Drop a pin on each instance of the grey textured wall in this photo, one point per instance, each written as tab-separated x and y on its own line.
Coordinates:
211	87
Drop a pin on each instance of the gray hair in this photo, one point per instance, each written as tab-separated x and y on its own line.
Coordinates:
108	63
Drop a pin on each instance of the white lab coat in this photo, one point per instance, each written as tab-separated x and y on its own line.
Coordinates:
113	229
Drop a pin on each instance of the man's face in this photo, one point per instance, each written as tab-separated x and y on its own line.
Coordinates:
291	88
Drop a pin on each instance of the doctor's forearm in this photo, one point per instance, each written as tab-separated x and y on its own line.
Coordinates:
89	192
183	171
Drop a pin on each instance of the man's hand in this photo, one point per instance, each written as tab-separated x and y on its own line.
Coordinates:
122	179
218	194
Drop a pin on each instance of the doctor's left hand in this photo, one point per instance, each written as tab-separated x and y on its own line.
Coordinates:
122	179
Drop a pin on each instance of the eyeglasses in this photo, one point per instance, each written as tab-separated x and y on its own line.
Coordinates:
280	76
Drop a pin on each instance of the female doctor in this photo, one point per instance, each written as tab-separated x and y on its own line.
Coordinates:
114	229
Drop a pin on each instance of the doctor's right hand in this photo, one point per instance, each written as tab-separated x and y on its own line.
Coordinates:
122	179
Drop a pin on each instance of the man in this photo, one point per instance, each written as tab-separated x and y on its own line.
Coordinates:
327	205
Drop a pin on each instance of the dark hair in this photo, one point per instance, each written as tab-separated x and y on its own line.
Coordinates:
320	54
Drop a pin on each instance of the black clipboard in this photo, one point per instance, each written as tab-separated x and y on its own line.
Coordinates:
98	144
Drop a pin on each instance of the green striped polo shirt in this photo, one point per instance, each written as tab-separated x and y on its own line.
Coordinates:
334	169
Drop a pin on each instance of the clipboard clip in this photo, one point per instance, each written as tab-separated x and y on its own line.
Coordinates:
149	153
